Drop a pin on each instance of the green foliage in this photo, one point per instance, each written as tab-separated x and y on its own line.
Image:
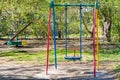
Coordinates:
15	14
18	13
110	10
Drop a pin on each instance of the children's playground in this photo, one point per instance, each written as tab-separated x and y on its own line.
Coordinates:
29	62
68	58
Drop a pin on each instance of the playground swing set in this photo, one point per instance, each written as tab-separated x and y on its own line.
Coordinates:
94	38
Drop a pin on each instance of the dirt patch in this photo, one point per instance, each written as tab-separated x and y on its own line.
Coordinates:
71	70
38	45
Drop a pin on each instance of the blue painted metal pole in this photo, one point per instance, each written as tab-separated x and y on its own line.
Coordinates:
80	31
66	31
54	36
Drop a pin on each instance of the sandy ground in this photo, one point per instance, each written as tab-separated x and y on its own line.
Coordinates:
66	71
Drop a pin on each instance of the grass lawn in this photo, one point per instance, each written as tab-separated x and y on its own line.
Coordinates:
40	57
117	70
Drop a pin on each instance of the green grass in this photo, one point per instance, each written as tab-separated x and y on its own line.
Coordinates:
113	54
117	70
40	57
23	56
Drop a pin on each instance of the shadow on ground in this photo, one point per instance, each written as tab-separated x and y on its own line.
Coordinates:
13	77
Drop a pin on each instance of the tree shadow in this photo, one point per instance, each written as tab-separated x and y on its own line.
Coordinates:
27	76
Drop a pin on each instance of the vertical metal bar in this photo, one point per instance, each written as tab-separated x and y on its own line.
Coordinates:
54	36
48	41
66	32
94	40
97	45
80	31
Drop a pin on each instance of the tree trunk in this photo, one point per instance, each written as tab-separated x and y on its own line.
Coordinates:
107	30
107	25
59	34
118	35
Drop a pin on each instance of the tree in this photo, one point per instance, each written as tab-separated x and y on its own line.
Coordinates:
107	10
17	13
14	14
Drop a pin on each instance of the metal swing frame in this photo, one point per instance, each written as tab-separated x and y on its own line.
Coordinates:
95	34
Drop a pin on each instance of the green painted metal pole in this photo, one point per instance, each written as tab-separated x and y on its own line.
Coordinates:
89	5
80	31
66	31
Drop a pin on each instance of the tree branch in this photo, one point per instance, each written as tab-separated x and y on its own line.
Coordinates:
86	26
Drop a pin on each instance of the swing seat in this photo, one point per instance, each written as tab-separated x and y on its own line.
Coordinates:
73	57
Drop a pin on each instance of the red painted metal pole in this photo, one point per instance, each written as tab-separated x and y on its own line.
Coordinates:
48	42
94	43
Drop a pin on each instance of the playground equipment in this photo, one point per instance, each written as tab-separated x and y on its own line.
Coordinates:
17	42
95	34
